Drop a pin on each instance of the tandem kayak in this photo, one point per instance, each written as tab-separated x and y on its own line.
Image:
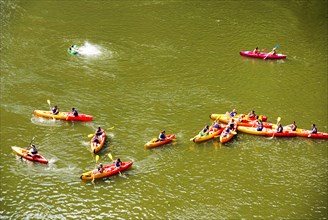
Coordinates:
248	122
266	132
24	153
155	143
212	134
245	119
109	170
68	116
95	147
262	55
73	51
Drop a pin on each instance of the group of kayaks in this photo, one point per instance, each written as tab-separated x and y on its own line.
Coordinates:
96	144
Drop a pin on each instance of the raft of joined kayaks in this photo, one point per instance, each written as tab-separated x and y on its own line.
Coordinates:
68	116
108	170
23	153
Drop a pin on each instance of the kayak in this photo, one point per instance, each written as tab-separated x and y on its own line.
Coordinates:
95	147
68	116
266	132
224	137
155	143
24	153
73	52
307	133
212	134
228	117
262	55
109	170
245	121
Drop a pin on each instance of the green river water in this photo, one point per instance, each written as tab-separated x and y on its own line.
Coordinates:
156	65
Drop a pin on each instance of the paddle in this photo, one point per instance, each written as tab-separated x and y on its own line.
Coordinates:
278	120
97	158
276	47
111	157
48	101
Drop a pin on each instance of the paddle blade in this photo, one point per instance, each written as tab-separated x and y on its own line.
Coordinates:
110	156
278	120
277	46
48	101
90	135
97	158
110	128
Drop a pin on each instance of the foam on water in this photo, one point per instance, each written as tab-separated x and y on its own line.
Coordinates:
88	49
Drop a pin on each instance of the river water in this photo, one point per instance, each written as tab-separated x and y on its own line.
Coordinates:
156	65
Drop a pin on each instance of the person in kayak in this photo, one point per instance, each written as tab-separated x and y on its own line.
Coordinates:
99	132
256	50
280	129
259	125
252	114
33	151
241	118
233	113
272	52
55	110
73	48
205	131
95	140
232	124
100	168
314	130
161	136
75	112
118	162
226	131
293	126
215	126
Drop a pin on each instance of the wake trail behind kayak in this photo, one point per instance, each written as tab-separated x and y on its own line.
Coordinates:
89	49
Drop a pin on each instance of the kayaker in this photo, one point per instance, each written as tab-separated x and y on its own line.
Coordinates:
273	51
74	49
280	129
100	168
259	125
99	131
55	110
251	114
232	124
256	50
33	151
314	130
75	112
162	136
226	131
233	113
118	162
205	131
241	118
293	126
95	140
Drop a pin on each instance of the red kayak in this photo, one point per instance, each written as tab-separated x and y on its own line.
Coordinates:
109	170
262	55
24	153
155	143
307	133
68	116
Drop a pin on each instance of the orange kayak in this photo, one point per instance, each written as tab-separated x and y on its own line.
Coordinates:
155	143
24	153
214	134
95	147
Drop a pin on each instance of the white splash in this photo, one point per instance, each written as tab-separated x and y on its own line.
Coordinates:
90	50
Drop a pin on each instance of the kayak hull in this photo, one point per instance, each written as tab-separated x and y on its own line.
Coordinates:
68	116
245	122
97	147
212	134
109	170
307	133
154	143
266	132
262	55
24	153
